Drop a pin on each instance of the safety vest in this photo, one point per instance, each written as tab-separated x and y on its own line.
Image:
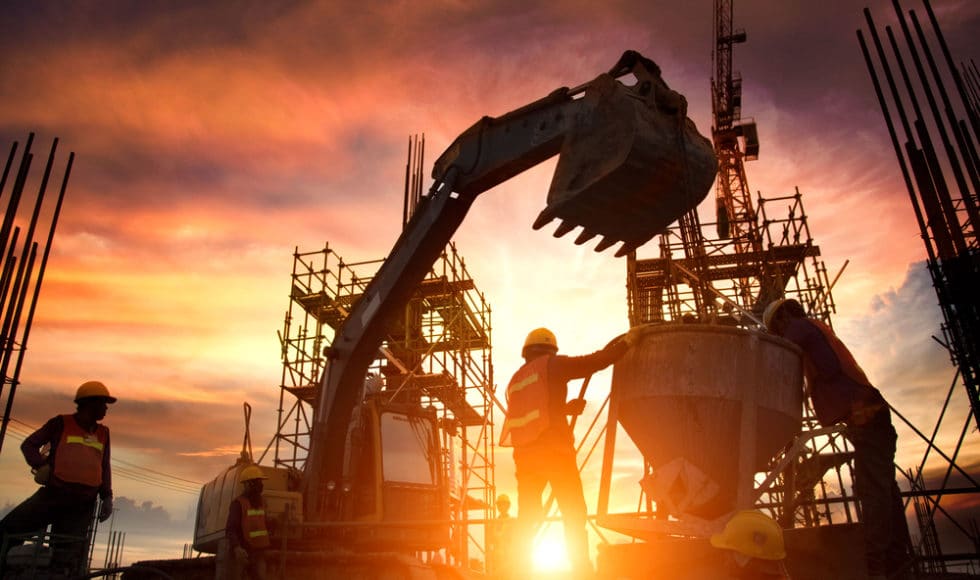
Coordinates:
254	530
848	365
527	404
78	456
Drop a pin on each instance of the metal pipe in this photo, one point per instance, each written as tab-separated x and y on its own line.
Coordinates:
971	149
943	246
37	291
408	173
8	350
951	152
939	421
932	445
7	330
974	118
15	195
972	90
7	166
925	141
9	264
949	469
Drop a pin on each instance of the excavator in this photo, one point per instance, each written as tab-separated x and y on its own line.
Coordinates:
374	492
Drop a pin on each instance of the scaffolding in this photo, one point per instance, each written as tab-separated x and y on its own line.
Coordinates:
436	355
762	251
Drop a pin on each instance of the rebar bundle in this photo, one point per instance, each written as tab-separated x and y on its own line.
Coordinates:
22	269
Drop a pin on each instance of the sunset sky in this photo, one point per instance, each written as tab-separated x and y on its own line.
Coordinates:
214	138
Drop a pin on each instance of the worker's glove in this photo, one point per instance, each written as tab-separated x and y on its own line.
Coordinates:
42	474
105	510
575	407
632	338
241	554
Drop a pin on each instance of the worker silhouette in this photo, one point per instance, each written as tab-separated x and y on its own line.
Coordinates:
501	533
544	447
246	528
842	393
69	455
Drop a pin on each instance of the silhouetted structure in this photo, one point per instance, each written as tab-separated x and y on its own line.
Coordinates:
22	274
942	183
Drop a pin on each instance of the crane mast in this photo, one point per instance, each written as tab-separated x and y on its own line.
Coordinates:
729	132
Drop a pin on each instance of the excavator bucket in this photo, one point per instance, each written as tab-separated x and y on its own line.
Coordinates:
632	167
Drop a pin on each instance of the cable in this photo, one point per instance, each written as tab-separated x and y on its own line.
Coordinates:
124	469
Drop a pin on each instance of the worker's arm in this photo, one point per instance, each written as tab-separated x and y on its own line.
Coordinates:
233	526
105	490
46	435
566	368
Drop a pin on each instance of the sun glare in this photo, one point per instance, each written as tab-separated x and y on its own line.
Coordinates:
549	553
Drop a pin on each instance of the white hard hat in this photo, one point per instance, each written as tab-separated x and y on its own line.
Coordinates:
770	311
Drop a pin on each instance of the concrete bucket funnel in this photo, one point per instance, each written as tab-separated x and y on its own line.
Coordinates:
708	407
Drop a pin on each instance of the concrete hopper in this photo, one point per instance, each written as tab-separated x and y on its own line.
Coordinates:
707	406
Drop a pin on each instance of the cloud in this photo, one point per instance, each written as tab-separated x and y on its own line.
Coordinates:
893	341
214	138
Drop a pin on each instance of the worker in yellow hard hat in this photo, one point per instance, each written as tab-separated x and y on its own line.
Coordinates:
501	540
246	529
69	456
536	426
755	542
841	393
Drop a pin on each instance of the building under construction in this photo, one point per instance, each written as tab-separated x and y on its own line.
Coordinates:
437	355
695	285
709	278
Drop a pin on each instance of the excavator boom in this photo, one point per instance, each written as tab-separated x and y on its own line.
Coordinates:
630	163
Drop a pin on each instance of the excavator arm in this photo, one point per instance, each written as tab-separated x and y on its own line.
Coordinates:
630	164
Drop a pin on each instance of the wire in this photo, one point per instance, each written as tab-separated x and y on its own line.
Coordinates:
124	469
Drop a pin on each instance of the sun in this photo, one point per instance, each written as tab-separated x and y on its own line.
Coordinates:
549	552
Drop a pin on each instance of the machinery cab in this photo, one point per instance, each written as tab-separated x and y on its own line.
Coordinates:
395	478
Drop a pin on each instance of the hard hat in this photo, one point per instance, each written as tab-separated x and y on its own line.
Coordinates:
91	389
503	498
540	337
251	472
770	312
752	534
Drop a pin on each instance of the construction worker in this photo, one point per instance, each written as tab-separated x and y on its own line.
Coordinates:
500	540
544	447
755	542
842	393
69	456
246	527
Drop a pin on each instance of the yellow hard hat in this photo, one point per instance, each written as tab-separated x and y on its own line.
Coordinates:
251	472
752	534
91	389
540	337
770	311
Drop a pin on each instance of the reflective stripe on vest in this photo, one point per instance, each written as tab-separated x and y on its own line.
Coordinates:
527	404
78	457
254	528
83	441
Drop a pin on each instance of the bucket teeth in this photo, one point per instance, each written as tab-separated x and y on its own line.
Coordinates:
627	247
585	236
564	228
544	218
605	243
